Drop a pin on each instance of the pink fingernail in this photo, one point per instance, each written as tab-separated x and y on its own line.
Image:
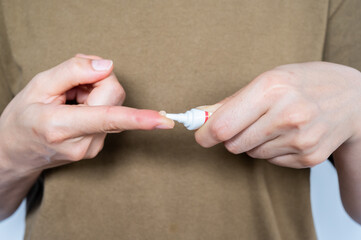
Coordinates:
164	127
102	64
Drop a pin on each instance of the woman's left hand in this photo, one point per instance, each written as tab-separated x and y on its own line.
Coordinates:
295	115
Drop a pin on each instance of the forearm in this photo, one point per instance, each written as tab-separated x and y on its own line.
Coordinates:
14	186
348	164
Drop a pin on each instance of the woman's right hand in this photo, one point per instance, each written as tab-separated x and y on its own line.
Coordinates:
38	130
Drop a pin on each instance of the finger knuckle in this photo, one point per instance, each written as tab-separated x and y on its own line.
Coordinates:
232	147
252	154
93	153
306	162
98	150
304	143
95	149
53	136
110	124
38	76
219	131
77	153
269	132
271	77
283	161
275	161
75	64
121	91
275	83
297	117
309	161
118	92
258	152
52	132
37	82
200	139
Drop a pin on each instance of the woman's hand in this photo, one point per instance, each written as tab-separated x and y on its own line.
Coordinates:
294	115
39	130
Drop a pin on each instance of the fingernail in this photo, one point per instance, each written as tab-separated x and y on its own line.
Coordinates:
102	64
166	123
210	108
164	127
204	107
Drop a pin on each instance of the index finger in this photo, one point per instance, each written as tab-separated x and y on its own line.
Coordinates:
235	115
76	120
72	73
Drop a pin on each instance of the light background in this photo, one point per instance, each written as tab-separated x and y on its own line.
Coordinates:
331	220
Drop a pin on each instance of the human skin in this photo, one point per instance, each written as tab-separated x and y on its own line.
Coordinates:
293	116
39	130
296	116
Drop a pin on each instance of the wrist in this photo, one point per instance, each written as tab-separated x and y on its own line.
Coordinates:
356	124
10	170
14	186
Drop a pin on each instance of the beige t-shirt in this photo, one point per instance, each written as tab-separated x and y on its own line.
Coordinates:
174	55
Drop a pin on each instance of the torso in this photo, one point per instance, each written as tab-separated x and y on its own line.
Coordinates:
170	55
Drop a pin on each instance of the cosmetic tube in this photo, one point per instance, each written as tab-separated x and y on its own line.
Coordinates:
192	119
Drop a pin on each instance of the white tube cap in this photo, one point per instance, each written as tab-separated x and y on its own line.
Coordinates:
192	119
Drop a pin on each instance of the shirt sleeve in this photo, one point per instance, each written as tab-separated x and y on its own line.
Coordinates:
9	70
343	35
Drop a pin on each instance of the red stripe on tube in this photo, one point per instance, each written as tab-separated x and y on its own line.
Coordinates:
207	116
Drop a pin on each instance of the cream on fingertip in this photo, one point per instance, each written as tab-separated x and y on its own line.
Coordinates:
163	113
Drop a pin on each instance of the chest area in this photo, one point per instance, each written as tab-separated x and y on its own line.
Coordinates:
190	52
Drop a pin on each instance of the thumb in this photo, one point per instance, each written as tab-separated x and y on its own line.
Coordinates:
71	73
